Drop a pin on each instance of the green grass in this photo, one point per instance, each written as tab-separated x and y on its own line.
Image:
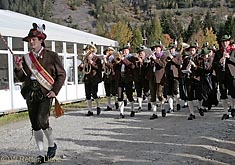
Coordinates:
13	117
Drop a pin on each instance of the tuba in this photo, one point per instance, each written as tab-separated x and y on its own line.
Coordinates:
117	57
107	70
87	67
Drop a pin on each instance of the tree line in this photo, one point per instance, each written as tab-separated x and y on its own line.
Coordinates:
144	21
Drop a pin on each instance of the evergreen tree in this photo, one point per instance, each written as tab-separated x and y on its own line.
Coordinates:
137	38
155	32
193	28
4	4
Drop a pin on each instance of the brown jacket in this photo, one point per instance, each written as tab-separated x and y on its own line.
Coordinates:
159	74
51	63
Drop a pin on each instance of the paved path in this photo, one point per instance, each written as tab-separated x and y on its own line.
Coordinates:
139	141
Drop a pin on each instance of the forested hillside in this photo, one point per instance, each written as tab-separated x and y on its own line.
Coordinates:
137	21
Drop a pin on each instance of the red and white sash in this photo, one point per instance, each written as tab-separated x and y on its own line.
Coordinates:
41	75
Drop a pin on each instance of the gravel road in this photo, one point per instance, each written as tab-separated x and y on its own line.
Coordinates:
106	140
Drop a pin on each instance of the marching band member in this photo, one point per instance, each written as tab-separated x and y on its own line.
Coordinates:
140	80
123	67
174	62
191	70
43	75
108	78
92	68
156	76
222	66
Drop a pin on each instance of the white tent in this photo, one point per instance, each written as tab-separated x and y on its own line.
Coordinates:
18	25
14	26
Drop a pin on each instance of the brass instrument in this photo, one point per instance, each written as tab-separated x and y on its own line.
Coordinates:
183	47
107	70
117	57
86	66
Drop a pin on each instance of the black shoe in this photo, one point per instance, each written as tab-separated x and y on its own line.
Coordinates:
225	116
125	102
139	109
51	151
98	110
132	114
149	106
89	113
201	112
163	113
40	159
116	105
108	109
178	107
185	106
191	117
121	116
169	110
154	116
232	112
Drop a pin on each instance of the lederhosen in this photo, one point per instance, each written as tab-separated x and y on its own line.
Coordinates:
140	79
220	74
38	103
193	85
172	76
110	84
93	78
156	76
125	78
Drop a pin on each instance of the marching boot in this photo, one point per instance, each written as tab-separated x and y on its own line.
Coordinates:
51	144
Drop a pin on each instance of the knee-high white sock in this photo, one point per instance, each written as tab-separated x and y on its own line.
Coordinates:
148	99
140	100
132	105
191	107
232	103
225	105
162	104
177	98
89	105
49	136
154	107
115	98
121	107
200	104
109	101
170	101
97	102
39	141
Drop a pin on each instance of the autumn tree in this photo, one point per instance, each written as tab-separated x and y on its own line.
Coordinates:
121	33
198	37
210	37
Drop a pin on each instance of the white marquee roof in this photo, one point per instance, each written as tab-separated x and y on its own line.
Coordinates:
18	25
